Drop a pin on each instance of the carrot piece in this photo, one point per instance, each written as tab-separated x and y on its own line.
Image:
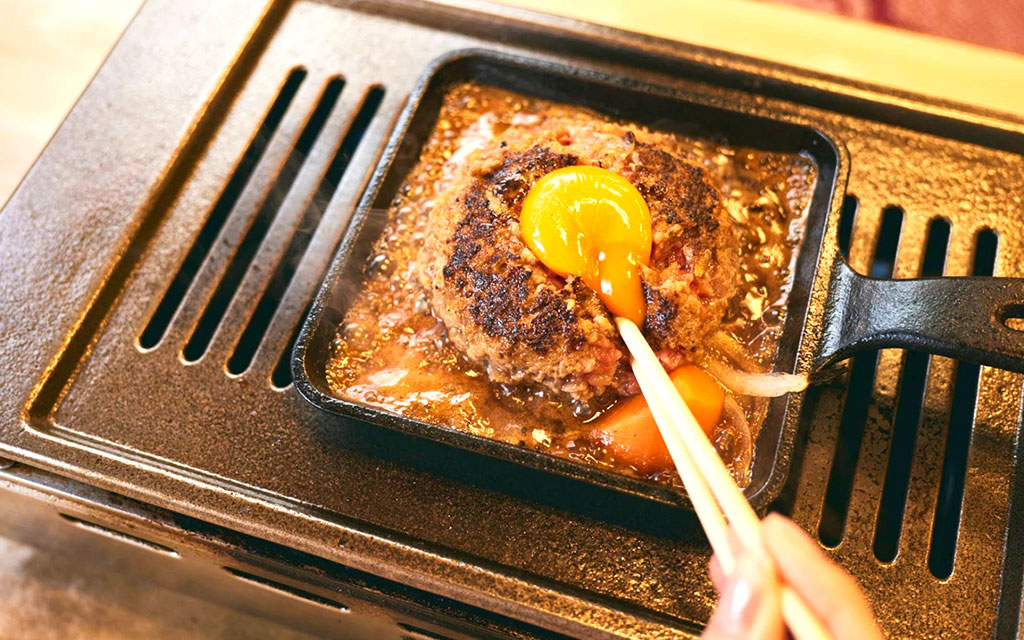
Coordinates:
702	394
631	435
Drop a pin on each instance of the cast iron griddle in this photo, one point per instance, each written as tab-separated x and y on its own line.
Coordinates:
183	174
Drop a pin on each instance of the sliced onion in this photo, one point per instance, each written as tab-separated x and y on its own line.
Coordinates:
762	385
740	427
729	347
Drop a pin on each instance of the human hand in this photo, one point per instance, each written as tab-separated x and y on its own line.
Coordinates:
749	606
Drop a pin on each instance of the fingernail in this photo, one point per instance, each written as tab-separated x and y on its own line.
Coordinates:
742	598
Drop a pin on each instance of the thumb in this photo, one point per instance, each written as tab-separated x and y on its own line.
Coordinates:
748	606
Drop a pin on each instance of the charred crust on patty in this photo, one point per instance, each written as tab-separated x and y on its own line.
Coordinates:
683	191
497	289
502	306
661	314
477	224
512	180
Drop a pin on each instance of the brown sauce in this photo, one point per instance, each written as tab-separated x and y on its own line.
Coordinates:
391	352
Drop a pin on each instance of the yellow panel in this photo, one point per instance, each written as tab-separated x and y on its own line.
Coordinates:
853	49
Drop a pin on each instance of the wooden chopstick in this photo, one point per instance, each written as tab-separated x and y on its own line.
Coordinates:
712	490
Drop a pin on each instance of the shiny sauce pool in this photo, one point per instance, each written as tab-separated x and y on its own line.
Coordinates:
391	353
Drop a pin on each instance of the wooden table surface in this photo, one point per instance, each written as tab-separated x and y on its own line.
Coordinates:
49	49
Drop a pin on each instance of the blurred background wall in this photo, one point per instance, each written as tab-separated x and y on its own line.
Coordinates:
991	23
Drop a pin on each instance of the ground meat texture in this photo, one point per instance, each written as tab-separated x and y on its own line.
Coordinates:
524	324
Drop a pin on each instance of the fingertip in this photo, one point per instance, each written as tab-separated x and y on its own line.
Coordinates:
749	603
776	521
780	530
715	571
830	591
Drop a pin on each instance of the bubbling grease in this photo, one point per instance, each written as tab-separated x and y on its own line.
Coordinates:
391	353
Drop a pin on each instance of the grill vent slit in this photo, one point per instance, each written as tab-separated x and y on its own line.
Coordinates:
252	336
907	418
119	535
846	220
295	592
858	396
281	377
421	634
161	318
946	527
884	264
247	249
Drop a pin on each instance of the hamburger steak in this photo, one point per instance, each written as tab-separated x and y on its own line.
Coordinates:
522	323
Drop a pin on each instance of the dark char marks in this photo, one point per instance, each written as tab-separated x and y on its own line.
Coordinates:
503	301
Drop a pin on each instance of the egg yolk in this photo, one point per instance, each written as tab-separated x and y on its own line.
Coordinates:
592	223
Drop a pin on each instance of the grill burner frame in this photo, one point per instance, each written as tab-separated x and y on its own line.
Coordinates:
109	211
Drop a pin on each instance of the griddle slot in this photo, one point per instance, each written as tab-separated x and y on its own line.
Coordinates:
120	536
246	251
907	418
294	592
165	311
946	528
253	334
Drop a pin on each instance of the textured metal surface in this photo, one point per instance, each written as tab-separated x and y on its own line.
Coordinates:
64	517
100	227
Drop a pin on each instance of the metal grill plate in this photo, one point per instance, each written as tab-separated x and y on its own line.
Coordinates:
96	232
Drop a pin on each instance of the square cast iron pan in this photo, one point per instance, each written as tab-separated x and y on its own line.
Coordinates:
744	124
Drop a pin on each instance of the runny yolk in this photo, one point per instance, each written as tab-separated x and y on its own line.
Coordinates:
592	223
